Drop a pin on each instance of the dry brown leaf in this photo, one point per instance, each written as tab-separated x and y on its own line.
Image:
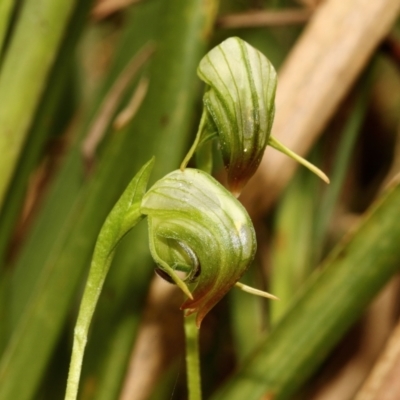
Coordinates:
159	339
384	382
264	18
104	8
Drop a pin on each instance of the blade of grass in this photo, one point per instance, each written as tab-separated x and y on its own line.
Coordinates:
6	7
332	300
4	295
24	73
292	249
246	316
344	152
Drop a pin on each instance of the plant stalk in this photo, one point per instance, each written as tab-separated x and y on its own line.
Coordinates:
192	357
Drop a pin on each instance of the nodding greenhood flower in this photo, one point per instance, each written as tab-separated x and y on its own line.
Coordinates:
197	226
239	108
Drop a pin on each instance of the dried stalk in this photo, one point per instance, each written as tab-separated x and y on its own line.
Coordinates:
111	101
105	8
383	383
159	339
127	114
377	325
265	18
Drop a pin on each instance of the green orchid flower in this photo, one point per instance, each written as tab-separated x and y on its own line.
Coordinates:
197	226
239	108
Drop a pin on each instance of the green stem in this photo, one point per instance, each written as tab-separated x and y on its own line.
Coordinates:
192	357
102	258
89	301
196	142
122	218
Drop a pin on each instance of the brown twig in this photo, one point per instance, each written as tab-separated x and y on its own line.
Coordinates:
111	101
159	339
309	3
320	70
384	382
127	114
264	18
345	379
104	8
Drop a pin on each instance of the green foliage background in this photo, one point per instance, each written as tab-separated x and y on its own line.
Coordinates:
58	67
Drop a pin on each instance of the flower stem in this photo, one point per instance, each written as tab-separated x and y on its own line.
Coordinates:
196	142
192	358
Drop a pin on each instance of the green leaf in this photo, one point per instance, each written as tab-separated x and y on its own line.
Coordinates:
6	8
293	245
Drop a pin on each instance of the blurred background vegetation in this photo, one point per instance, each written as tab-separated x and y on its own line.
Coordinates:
89	91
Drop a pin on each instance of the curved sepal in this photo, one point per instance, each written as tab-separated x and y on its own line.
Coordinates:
195	224
240	100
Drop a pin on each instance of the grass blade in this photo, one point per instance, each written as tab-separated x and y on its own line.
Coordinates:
6	7
24	72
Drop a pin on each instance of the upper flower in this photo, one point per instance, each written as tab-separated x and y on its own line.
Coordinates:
239	105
